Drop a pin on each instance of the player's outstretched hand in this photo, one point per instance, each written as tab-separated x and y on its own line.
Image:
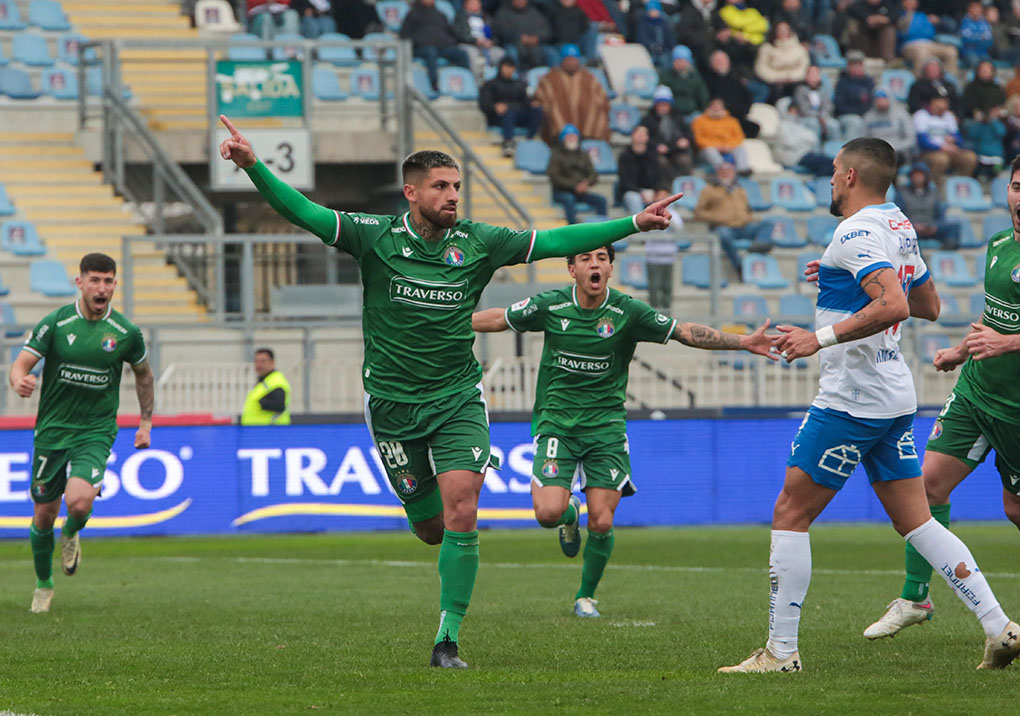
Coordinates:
811	270
759	343
25	386
985	342
142	439
656	215
236	149
793	343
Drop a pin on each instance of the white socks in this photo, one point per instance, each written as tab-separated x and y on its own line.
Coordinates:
950	557
790	574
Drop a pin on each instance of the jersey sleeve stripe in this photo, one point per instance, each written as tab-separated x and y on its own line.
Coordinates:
669	333
506	317
918	281
142	359
33	351
336	234
531	247
868	269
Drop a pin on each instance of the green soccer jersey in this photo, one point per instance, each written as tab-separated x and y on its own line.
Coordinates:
419	296
81	377
992	384
582	378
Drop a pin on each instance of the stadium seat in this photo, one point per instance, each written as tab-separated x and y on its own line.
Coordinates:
784	233
67	48
766	117
755	199
950	269
8	320
624	118
601	154
831	147
792	195
803	259
216	17
825	52
446	7
993	224
4	290
30	49
798	309
691	187
823	191
979	268
3	57
759	156
977	305
640	82
931	343
94	83
947	39
821	228
750	306
459	83
897	83
335	54
326	85
245	54
600	75
532	156
633	272
371	54
967	238
10	16
365	83
21	239
420	81
49	278
966	193
48	15
697	271
6	207
1000	188
289	51
60	83
535	75
950	314
762	270
392	13
16	84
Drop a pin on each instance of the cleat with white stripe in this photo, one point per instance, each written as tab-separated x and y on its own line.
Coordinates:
901	614
70	553
570	535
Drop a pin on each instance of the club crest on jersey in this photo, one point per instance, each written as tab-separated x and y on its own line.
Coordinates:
407	484
550	469
605	328
109	342
936	430
1015	274
453	256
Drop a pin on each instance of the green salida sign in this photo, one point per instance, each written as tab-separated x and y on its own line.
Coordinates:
259	89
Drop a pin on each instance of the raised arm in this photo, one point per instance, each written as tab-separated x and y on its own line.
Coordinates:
145	389
491	320
20	377
924	301
696	335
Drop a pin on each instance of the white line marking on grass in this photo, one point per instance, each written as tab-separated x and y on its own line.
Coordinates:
13	713
632	624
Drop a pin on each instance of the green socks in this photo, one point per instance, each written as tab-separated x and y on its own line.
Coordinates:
596	555
42	556
569	515
74	524
915	588
458	567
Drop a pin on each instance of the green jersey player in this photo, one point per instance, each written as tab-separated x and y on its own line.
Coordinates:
85	345
981	414
422	274
579	420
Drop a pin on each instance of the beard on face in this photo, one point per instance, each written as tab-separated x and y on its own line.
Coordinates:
438	218
836	207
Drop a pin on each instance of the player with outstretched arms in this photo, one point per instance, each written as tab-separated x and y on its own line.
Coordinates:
981	414
579	420
85	345
423	273
871	278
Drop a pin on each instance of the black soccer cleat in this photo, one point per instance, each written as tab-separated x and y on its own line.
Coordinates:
444	655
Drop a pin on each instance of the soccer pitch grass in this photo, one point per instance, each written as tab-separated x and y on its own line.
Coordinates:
343	624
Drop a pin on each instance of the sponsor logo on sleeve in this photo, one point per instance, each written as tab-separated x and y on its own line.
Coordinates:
520	305
366	220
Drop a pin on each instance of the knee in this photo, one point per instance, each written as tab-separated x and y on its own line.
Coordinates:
600	523
79	506
429	534
1012	509
547	516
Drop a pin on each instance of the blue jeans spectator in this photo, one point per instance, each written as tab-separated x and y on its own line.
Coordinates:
528	117
313	26
430	54
568	200
733	239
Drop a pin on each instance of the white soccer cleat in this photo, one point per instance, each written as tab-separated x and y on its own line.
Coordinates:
762	661
70	553
570	535
585	607
902	613
41	600
1001	650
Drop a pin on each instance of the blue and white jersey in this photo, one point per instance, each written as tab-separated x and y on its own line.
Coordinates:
867	378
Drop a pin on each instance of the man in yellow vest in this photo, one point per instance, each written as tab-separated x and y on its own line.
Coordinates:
268	403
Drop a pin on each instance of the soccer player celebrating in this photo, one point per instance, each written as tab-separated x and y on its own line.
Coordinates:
981	414
871	278
85	345
579	420
423	272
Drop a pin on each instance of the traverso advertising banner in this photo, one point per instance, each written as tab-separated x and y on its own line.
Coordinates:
299	478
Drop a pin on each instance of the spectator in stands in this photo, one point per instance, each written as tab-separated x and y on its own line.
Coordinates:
983	92
571	26
798	17
669	134
1012	122
741	30
919	199
876	27
888	120
690	95
354	18
1002	36
723	205
1009	23
940	142
719	137
570	94
572	175
812	106
986	134
653	31
694	29
316	17
782	62
472	30
432	38
1013	86
798	147
268	403
505	102
732	89
975	34
853	95
931	83
525	34
268	18
916	38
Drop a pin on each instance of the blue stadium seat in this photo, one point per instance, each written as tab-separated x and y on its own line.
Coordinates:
532	156
601	154
979	269
60	83
67	48
691	186
3	57
48	15
535	75
17	84
897	83
21	239
365	83
947	39
94	83
820	229
823	191
600	75
784	233
825	52
966	193
951	315
30	49
421	82
623	118
798	309
1000	188
967	238
392	13
6	207
831	147
8	320
49	278
242	54
697	271
931	343
803	259
339	55
792	195
446	7
755	199
762	270
459	83
994	223
371	54
950	269
750	307
289	51
4	290
326	85
633	272
10	16
640	82
977	305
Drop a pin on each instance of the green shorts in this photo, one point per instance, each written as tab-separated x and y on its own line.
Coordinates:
417	441
592	461
52	468
964	431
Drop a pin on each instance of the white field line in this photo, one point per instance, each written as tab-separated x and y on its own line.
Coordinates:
14	713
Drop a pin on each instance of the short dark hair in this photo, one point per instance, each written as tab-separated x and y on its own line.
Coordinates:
267	351
419	163
100	263
874	159
608	247
1014	167
507	60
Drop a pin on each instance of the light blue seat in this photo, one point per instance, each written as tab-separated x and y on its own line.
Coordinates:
535	75
60	83
823	191
977	305
4	290
697	271
339	55
21	239
951	315
3	57
8	320
979	269
931	343
897	83
950	269
48	15
1000	189
820	229
762	270
633	272
792	195
16	84
750	308
993	223
459	83
30	49
532	156
966	193
784	233
600	75
10	16
967	238
245	54
49	278
420	81
798	309
392	13
947	39
326	85
371	54
691	187
755	200
365	83
640	82
831	147
601	155
94	83
825	52
624	118
67	48
291	50
6	207
446	7
803	259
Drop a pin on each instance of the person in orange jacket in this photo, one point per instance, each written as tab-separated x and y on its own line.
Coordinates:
720	138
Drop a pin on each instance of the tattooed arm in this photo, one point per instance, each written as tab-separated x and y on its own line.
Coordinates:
696	335
145	388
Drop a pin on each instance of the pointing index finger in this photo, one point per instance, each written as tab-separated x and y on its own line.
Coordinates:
663	203
229	125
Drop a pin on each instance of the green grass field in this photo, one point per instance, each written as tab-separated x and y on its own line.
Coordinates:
343	624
